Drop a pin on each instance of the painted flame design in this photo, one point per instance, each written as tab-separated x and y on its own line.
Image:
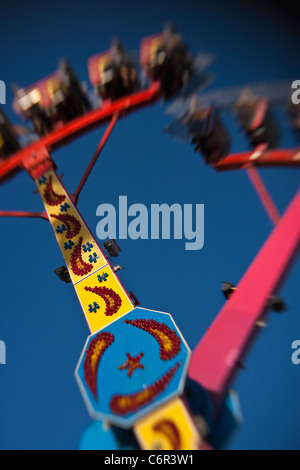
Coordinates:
168	428
79	267
73	225
126	404
168	340
93	355
112	300
50	196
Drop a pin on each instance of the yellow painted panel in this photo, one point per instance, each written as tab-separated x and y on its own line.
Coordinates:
80	250
102	298
168	428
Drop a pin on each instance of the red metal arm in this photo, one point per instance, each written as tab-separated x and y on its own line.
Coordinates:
279	157
82	125
215	359
95	157
38	215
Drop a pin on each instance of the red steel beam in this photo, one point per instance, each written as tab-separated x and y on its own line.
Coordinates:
278	157
38	215
103	141
216	358
81	125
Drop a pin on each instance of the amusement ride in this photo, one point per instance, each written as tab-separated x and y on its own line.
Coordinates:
160	394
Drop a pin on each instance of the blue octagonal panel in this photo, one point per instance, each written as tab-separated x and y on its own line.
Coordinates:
132	366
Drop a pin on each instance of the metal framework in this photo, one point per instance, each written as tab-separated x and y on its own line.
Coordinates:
80	126
268	158
235	326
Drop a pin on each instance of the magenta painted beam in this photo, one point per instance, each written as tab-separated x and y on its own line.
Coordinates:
215	359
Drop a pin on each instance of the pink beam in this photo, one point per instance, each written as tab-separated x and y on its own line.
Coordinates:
215	359
38	215
263	194
279	157
81	125
95	157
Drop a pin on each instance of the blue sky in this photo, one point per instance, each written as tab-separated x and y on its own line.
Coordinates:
41	320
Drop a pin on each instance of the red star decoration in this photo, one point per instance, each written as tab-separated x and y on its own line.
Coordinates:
132	363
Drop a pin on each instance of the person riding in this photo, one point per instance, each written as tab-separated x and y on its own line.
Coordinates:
121	75
9	143
255	118
171	63
208	132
